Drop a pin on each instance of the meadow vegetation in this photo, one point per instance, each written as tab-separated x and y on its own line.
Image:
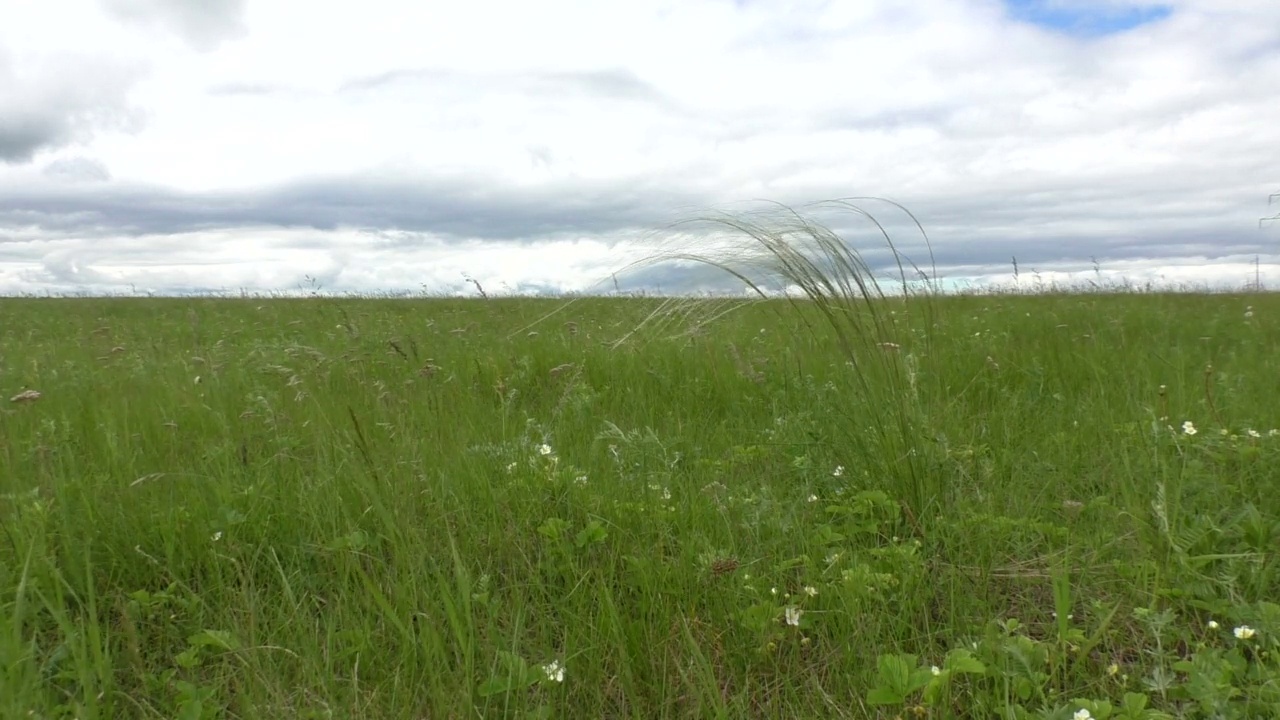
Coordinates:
1042	506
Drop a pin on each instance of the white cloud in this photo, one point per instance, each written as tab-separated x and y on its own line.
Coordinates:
546	132
204	24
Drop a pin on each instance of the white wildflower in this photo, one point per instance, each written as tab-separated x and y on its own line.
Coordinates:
810	590
1244	632
1188	428
544	449
935	670
1082	714
792	615
1212	625
838	471
554	671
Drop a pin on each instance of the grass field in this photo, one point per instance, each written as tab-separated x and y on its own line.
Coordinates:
343	508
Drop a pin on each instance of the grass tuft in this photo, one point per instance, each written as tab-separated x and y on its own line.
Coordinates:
833	295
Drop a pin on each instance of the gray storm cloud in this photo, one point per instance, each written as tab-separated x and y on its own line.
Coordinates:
973	229
465	207
61	102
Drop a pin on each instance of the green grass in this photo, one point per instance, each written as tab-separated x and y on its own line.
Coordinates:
342	508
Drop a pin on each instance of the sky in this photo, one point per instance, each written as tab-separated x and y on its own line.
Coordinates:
170	147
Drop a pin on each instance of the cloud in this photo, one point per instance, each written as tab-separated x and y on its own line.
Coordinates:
596	85
267	260
61	101
232	89
462	207
356	224
77	169
397	143
203	24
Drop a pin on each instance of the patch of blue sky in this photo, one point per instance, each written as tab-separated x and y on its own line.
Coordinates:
1086	18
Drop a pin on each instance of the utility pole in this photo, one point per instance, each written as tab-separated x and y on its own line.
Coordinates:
1272	218
1257	273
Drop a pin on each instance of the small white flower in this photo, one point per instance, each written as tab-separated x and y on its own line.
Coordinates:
554	671
1082	714
580	480
1244	632
838	471
544	449
1188	429
511	467
773	591
792	615
1212	624
813	498
1273	432
810	590
935	670
1253	433
216	536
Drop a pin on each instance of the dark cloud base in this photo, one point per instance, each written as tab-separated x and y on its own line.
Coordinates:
136	225
465	208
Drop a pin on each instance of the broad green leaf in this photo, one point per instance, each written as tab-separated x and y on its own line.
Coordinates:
884	696
963	661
